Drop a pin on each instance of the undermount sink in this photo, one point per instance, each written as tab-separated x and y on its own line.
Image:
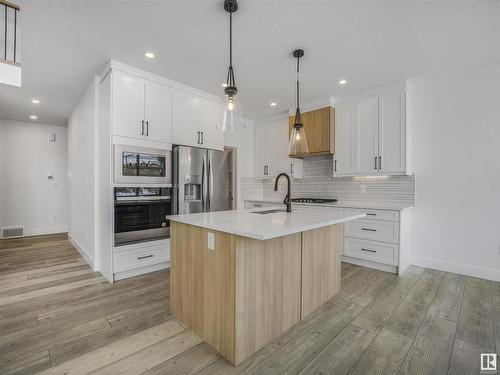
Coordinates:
268	211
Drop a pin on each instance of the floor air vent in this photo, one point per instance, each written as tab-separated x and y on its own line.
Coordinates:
12	232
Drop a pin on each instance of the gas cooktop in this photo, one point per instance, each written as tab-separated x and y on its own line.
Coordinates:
313	200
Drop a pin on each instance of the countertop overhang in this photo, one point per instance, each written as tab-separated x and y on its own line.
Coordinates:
247	223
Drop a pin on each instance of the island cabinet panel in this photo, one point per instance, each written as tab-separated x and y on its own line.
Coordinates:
267	290
202	285
320	266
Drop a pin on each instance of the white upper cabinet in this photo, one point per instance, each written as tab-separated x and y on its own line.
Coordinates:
158	109
128	106
345	140
271	151
261	151
211	115
197	122
367	136
371	136
392	133
141	109
186	119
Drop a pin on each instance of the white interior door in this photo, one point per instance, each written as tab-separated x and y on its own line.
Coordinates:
345	140
211	125
128	105
366	136
185	119
392	132
158	113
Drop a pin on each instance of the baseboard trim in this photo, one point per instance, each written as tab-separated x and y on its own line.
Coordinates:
462	269
82	251
43	232
140	271
369	264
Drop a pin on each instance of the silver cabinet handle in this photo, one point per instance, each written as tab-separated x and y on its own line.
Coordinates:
335	168
376	163
202	142
144	257
369	229
142	127
198	136
147	128
291	168
371	251
370	214
257	205
380	162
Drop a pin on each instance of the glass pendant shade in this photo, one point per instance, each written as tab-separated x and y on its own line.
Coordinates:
233	114
298	141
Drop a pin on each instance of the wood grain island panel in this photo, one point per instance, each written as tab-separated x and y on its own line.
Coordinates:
245	292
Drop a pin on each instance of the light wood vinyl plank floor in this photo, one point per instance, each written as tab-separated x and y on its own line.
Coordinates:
59	317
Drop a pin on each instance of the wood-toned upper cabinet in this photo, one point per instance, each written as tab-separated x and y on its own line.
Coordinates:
319	127
392	133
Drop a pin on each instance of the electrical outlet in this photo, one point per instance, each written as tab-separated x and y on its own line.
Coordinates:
362	188
211	241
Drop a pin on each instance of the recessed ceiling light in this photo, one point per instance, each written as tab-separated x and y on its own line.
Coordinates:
273	104
35	101
33	117
342	82
224	84
149	55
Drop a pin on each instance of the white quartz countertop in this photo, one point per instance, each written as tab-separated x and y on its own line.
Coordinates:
362	205
247	223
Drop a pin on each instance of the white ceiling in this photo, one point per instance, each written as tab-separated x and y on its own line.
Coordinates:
370	43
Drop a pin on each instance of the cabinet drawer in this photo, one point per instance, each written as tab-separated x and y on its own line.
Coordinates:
371	250
372	230
375	214
256	204
145	256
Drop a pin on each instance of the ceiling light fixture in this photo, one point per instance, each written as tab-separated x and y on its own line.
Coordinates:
232	107
35	101
298	140
342	82
273	104
33	117
149	55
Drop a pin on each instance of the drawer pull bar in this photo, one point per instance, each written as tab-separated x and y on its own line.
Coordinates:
370	214
369	229
144	257
371	251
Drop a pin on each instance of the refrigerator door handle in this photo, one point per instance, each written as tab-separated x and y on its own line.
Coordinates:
209	182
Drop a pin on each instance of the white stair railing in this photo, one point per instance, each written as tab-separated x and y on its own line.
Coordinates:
10	66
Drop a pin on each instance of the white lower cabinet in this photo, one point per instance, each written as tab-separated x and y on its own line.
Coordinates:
136	259
374	239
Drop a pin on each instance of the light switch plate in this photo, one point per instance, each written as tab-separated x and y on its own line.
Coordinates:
211	241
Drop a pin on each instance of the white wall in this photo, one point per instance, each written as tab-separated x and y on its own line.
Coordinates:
27	197
81	160
244	142
456	143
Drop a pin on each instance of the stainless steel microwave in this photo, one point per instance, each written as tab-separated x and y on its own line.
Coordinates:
141	165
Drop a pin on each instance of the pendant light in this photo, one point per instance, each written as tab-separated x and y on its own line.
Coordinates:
298	140
233	115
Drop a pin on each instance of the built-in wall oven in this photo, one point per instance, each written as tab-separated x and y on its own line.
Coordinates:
141	165
140	214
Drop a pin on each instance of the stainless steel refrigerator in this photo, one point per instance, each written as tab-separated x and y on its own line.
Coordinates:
201	180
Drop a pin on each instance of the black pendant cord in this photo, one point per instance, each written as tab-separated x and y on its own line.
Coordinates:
298	118
230	81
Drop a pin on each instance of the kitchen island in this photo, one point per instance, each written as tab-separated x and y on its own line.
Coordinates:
239	279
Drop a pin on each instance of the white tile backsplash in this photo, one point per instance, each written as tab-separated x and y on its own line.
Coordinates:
318	182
